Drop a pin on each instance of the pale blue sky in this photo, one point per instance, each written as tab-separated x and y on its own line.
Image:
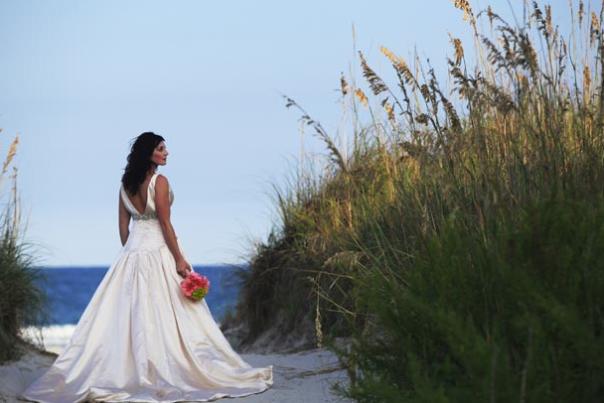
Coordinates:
79	79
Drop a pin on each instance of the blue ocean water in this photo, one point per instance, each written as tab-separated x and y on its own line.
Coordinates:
69	289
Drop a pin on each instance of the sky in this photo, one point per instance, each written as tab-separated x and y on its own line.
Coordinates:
80	79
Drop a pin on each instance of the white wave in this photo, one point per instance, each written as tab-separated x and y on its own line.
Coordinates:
54	337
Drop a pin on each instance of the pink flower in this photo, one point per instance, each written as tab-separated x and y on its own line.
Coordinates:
195	286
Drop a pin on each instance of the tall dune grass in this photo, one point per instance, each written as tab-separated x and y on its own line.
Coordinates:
22	302
459	242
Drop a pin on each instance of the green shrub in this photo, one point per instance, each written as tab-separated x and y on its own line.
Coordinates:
22	300
457	243
516	318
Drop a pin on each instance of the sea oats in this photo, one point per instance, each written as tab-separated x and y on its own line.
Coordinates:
343	85
563	50
375	82
595	28
399	64
586	83
336	155
458	49
11	153
548	20
389	109
491	15
522	80
361	96
451	112
544	24
529	54
464	5
581	12
425	91
422	118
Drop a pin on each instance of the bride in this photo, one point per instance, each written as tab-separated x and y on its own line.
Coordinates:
140	339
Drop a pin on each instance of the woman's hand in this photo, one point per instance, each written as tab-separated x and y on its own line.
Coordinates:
183	267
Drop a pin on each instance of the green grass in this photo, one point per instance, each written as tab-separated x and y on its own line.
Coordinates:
458	242
22	301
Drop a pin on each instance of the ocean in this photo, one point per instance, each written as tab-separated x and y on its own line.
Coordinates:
69	289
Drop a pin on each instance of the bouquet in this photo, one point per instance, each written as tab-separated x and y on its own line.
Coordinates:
195	286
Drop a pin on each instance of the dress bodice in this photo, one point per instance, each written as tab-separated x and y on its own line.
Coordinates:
150	211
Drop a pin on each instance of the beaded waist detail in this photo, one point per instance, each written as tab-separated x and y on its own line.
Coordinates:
147	216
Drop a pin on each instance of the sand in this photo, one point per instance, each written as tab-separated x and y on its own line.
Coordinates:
305	376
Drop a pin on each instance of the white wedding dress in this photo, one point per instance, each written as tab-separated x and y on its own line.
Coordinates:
141	340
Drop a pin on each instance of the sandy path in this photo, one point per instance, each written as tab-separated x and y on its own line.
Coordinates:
300	377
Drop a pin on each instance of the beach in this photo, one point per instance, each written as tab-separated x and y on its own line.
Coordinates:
304	376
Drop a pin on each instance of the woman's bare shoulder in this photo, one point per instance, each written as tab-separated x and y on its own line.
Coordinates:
161	180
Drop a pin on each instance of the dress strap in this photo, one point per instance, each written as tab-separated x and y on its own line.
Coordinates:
152	182
125	198
151	189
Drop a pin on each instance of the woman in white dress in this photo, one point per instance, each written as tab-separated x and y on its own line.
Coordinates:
140	339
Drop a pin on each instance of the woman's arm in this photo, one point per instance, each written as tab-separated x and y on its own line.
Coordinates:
124	221
162	207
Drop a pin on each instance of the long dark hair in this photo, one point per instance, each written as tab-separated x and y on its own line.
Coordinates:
139	160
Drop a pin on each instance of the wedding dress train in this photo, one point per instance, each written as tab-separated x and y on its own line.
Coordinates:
141	340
